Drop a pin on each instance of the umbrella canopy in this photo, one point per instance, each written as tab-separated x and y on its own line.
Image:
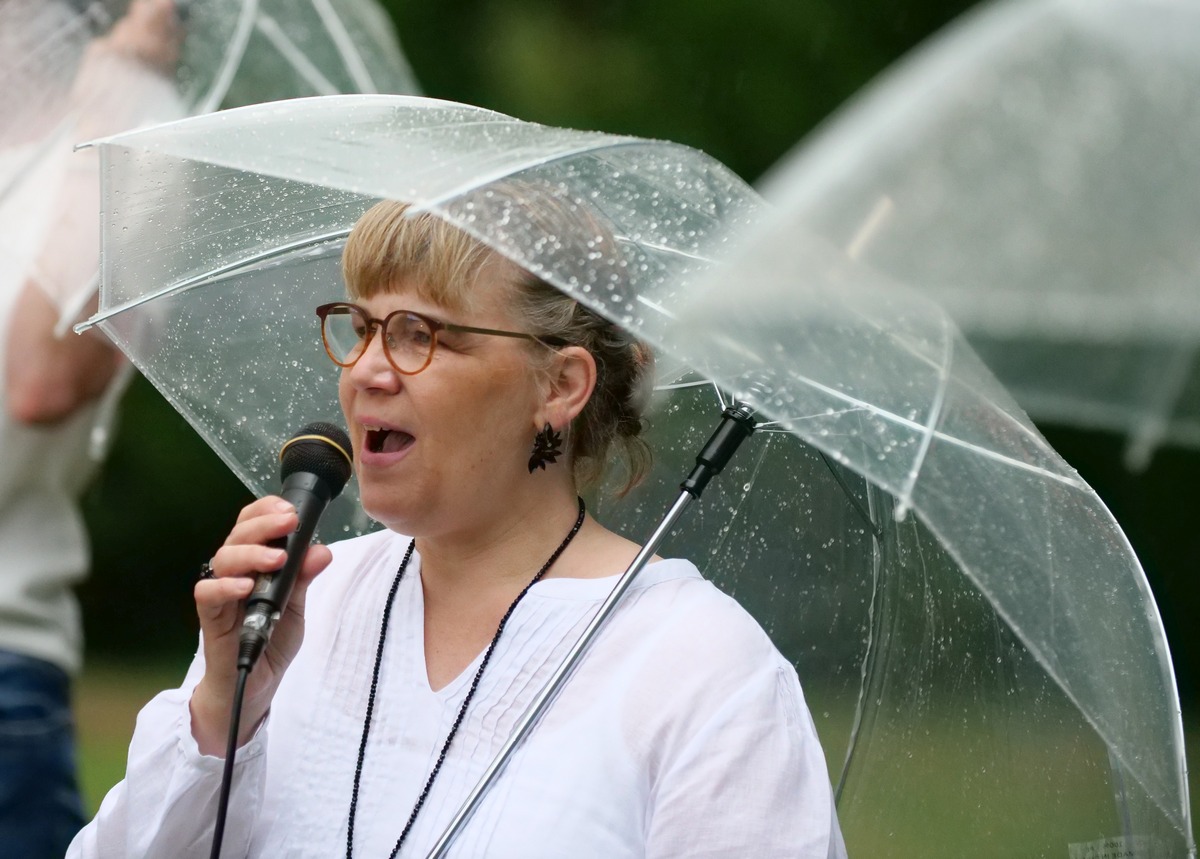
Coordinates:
230	52
969	622
1032	168
1011	678
73	71
272	191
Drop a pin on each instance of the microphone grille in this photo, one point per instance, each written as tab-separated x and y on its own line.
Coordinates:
322	449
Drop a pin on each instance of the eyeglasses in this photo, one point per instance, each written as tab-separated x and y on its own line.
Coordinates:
409	338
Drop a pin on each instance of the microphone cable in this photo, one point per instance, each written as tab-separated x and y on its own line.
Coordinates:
235	717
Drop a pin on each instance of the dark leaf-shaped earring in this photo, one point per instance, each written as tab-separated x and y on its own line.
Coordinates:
547	447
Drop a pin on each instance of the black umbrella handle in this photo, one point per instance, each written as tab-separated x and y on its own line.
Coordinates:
737	424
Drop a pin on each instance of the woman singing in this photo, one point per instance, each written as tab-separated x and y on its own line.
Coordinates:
479	401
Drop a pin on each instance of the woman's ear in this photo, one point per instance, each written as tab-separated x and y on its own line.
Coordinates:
571	381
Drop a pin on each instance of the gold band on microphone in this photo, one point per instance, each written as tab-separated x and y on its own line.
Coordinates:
323	438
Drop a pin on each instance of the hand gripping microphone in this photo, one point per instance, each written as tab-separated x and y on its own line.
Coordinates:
315	464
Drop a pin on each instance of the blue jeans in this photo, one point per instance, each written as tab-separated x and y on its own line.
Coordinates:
40	806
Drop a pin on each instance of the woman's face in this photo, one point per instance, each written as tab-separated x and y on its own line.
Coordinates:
440	449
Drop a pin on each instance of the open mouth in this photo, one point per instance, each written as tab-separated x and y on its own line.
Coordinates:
387	441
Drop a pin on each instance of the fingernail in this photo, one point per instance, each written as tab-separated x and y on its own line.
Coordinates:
283	506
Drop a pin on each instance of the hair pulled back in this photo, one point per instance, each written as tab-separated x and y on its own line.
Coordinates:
441	263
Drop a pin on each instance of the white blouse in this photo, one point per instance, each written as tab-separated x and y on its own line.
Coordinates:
682	732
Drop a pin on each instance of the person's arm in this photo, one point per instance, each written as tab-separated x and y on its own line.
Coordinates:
166	805
248	552
123	79
47	376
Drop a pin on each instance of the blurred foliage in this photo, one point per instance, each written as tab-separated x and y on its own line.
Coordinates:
742	81
158	509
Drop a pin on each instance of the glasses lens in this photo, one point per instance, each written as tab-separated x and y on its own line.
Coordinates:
409	342
345	330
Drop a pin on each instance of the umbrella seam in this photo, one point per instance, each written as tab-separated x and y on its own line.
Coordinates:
288	49
345	46
233	59
938	434
935	415
208	277
1148	433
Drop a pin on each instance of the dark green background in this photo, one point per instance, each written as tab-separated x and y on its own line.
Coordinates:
743	81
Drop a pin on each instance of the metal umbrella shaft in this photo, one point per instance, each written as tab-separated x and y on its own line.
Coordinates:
737	423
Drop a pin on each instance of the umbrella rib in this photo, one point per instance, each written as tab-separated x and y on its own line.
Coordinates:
875	636
76	303
653	305
920	355
232	60
779	425
675	386
862	511
785	425
666	249
303	66
212	275
1149	433
345	47
935	414
936	434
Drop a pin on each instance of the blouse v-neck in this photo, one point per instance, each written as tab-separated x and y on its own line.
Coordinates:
412	597
412	592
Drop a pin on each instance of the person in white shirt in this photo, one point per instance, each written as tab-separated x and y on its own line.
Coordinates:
58	391
479	400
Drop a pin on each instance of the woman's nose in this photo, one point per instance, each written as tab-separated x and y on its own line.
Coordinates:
373	369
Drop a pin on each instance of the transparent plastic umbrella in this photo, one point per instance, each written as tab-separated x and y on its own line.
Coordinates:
74	71
1033	169
1012	685
969	622
221	217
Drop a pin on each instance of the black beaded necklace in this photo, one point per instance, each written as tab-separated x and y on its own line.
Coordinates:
462	711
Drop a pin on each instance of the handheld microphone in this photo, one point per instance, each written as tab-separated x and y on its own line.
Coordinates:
315	464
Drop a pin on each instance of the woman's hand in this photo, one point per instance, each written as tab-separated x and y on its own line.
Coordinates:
150	32
219	604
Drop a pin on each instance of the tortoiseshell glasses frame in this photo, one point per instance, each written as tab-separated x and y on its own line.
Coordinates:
410	337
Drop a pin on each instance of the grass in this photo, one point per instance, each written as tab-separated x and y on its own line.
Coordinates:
109	695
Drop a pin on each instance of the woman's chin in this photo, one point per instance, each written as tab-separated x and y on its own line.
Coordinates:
389	512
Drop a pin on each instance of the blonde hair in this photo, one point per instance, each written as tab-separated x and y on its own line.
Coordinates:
442	264
438	261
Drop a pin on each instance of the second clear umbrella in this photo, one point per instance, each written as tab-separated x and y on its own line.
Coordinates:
1032	168
75	71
